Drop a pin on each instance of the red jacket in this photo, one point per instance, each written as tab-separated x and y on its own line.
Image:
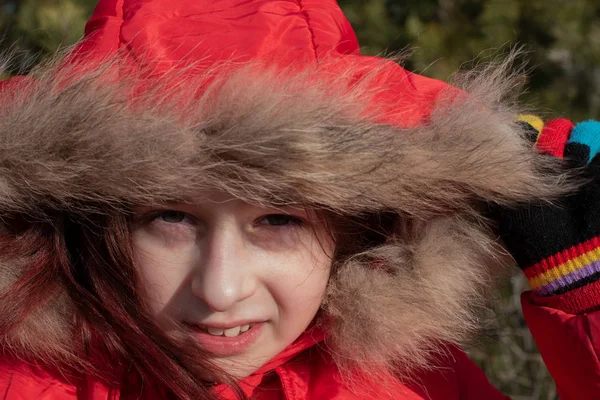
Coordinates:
570	346
309	31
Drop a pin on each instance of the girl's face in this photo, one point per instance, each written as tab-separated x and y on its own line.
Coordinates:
246	280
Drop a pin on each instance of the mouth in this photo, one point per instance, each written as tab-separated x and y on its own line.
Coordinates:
234	331
228	341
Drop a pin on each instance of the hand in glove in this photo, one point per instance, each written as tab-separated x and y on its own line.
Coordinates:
558	245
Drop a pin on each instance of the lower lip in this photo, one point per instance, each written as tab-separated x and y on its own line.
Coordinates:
227	346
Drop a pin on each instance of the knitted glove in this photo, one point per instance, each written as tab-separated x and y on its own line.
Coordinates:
558	246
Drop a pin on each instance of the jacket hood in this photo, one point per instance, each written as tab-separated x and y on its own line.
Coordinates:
271	102
160	34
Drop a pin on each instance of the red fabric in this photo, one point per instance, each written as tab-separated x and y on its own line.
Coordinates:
285	31
554	136
570	346
304	371
159	34
8	85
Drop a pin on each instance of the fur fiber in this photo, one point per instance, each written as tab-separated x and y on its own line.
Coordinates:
83	140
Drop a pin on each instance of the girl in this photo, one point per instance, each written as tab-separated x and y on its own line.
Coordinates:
211	200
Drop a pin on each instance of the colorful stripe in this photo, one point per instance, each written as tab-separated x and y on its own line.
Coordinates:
565	268
569	279
588	134
554	137
533	120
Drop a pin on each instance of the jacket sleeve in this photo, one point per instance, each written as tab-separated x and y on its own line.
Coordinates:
566	329
21	382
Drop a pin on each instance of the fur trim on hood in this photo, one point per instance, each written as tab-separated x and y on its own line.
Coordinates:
87	141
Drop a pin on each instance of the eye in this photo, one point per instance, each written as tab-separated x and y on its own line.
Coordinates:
172	216
280	220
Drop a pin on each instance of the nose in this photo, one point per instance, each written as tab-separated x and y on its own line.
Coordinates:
224	275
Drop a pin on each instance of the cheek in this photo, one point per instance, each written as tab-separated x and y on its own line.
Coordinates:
298	285
162	270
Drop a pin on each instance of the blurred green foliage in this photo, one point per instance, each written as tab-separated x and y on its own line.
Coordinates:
562	38
563	42
33	29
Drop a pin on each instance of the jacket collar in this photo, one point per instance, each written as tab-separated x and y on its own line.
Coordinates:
312	336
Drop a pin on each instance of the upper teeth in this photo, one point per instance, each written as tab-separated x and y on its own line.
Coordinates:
230	332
